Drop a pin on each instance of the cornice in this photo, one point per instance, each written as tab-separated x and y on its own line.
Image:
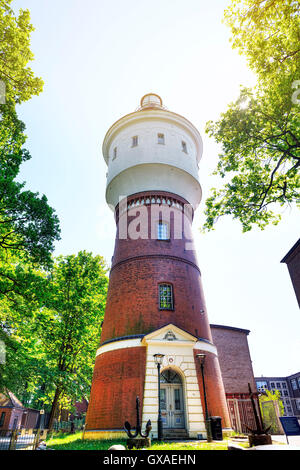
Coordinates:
151	256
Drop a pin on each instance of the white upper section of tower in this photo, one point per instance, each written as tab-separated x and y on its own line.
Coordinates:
152	149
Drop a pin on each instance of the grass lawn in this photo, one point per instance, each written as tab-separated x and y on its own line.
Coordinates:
74	442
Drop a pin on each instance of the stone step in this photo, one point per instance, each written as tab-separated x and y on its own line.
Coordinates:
176	438
174	434
175	430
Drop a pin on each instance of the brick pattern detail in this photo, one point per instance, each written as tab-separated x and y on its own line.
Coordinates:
215	395
8	412
132	303
118	378
154	197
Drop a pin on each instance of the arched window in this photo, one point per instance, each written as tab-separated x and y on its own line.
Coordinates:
169	376
166	299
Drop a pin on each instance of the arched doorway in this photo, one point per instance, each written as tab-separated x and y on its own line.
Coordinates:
171	400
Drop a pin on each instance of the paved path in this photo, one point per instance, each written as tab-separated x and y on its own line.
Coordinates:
293	440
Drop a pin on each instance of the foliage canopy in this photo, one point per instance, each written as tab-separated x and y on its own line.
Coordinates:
260	133
29	227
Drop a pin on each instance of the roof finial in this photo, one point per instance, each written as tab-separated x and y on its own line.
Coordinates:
151	100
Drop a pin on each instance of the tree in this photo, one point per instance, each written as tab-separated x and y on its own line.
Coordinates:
25	361
260	133
15	53
29	227
69	325
275	395
271	407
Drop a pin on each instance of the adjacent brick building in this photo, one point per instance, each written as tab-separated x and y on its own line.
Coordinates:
11	411
237	373
13	415
292	260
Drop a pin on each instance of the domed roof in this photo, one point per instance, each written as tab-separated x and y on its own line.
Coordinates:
151	100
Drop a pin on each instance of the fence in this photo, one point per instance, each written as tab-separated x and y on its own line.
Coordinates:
67	425
21	439
241	414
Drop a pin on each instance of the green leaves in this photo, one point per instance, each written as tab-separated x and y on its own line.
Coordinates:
15	54
259	133
69	323
267	33
28	225
52	330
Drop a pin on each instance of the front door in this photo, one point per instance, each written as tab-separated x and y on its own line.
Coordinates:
171	400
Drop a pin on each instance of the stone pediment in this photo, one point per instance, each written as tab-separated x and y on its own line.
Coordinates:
169	333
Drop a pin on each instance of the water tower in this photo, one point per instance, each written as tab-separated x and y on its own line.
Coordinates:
155	302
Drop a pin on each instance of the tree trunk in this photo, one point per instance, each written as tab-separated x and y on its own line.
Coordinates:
54	408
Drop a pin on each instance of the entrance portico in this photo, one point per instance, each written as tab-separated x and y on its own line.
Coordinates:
180	395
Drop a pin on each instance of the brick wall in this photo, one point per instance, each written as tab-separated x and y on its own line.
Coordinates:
133	304
119	377
6	422
138	267
234	358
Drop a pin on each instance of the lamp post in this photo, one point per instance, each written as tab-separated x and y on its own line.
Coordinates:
158	358
201	359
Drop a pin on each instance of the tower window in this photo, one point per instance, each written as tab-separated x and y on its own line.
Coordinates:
134	141
115	153
183	146
163	231
166	301
160	138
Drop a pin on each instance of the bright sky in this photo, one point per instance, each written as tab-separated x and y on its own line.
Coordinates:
98	58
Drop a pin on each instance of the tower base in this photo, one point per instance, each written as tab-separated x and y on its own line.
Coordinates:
125	368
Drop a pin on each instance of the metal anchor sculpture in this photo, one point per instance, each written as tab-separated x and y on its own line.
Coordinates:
260	429
138	429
